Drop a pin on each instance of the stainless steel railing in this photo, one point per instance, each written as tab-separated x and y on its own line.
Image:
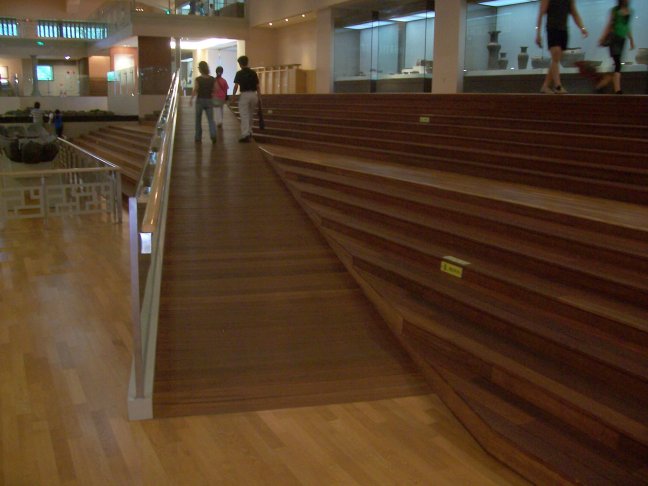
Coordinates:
147	220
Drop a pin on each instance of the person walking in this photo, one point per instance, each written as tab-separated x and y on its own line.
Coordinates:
202	91
557	12
37	114
247	81
57	120
614	36
219	95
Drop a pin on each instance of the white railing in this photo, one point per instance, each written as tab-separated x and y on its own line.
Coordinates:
147	214
78	182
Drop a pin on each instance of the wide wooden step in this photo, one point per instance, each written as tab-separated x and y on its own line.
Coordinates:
605	313
512	131
119	146
568	450
574	134
629	168
418	184
481	244
593	156
506	250
352	190
575	342
619	422
574	108
629	192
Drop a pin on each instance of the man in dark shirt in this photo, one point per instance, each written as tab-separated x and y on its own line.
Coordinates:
248	82
557	12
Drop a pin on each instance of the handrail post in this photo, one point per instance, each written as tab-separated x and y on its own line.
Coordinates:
43	190
138	358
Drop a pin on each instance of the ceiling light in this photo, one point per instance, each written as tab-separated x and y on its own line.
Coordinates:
369	25
303	15
270	24
200	44
504	3
67	58
414	17
286	20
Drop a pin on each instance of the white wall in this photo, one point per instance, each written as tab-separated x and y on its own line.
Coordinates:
298	45
124	105
227	59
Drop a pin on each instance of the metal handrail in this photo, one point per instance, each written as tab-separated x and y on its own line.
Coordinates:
147	214
159	145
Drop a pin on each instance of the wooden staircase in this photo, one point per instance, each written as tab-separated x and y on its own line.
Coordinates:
508	255
124	145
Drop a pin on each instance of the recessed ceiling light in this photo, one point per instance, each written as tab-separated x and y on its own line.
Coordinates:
303	15
286	20
67	58
270	24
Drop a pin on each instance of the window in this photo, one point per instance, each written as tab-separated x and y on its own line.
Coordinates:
44	72
8	27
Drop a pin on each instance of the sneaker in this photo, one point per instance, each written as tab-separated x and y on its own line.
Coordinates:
245	139
560	90
619	92
546	90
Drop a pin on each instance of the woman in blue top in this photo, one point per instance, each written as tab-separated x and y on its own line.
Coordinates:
614	36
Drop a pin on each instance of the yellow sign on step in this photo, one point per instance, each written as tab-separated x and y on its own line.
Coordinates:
424	119
453	266
454	270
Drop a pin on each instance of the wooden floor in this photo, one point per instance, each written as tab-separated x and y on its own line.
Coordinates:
65	347
256	311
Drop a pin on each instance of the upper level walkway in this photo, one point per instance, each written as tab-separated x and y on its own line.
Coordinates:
256	311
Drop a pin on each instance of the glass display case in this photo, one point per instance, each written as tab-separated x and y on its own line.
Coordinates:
385	50
501	54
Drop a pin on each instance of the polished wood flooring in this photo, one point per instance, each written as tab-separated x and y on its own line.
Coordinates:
256	311
65	358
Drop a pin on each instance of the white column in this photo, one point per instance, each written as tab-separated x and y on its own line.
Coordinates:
449	46
35	90
324	55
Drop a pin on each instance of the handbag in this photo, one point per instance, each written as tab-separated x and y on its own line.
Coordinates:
608	40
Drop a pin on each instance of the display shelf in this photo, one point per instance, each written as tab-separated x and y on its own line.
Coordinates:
627	68
283	79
